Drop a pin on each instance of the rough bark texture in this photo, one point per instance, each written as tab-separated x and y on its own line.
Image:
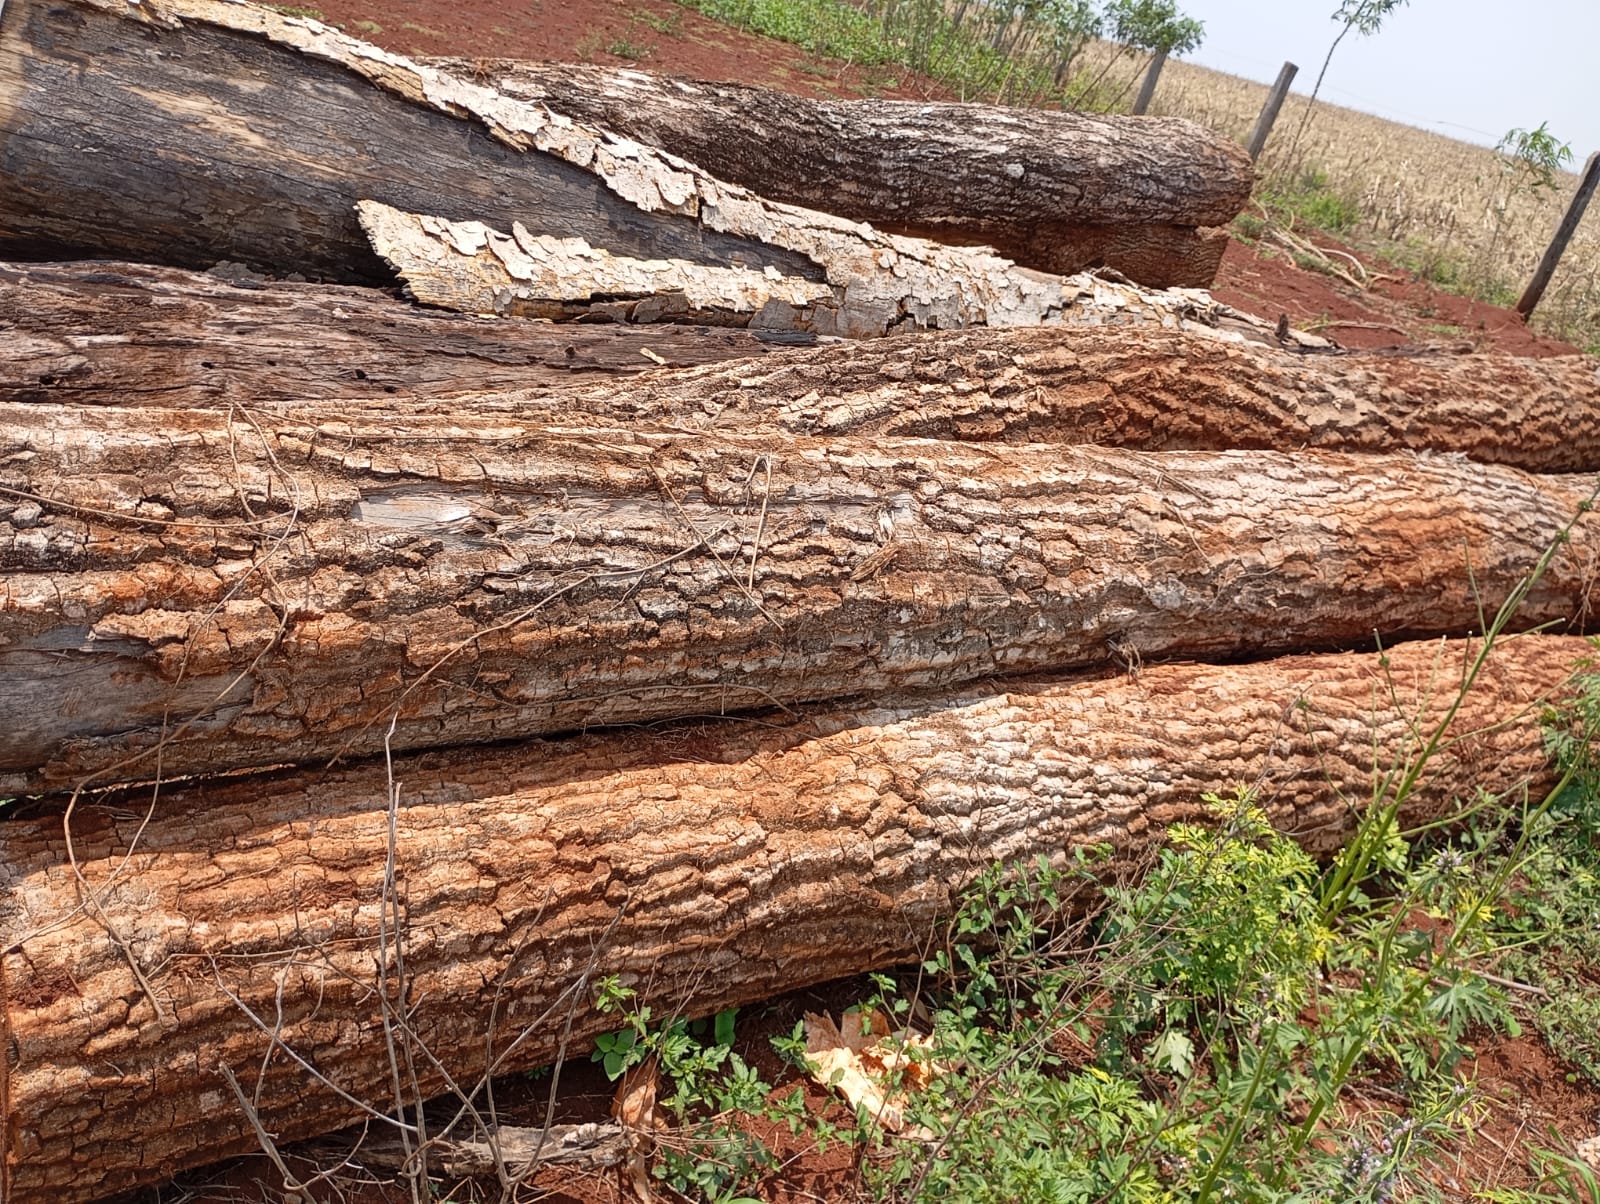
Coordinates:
214	130
266	588
116	334
130	334
707	867
1135	388
1055	191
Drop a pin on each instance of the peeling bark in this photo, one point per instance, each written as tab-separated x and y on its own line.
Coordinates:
474	268
214	130
470	267
128	334
1055	191
706	866
266	588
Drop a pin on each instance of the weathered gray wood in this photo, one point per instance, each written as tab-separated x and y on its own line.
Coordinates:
1147	89
95	333
1055	191
1269	111
706	865
1558	243
238	588
191	141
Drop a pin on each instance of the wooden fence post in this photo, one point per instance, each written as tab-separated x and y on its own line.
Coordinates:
1148	88
1564	232
1269	111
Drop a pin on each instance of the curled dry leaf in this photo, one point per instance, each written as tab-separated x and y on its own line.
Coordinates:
873	1067
634	1106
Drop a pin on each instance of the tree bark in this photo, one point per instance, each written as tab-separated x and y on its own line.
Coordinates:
1151	389
1055	191
128	334
706	866
115	334
475	268
195	591
214	130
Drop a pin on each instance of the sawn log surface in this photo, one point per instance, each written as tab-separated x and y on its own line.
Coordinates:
246	589
706	866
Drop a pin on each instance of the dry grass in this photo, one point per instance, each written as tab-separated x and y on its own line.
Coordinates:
1436	205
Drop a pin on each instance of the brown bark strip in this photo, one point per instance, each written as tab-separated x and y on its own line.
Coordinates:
128	334
1158	390
707	866
262	588
1055	191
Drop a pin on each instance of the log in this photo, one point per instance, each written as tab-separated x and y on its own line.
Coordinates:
215	131
195	591
99	334
1055	191
705	866
130	334
297	122
1156	390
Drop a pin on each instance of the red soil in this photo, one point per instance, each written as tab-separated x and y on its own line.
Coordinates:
1396	310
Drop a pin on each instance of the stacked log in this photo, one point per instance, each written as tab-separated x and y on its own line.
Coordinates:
372	666
710	865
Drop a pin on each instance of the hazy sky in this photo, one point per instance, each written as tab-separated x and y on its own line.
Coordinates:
1469	68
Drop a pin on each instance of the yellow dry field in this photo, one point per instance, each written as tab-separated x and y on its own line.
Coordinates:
1443	208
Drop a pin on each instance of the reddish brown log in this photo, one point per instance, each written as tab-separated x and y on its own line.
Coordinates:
241	589
705	866
104	334
1160	390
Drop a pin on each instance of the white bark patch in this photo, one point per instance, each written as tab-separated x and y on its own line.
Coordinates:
473	268
469	266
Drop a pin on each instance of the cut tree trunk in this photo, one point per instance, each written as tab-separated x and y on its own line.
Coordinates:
1156	390
202	590
1055	191
114	334
706	866
128	334
222	131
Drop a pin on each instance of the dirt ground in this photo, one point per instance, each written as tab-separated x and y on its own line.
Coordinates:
1527	1090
